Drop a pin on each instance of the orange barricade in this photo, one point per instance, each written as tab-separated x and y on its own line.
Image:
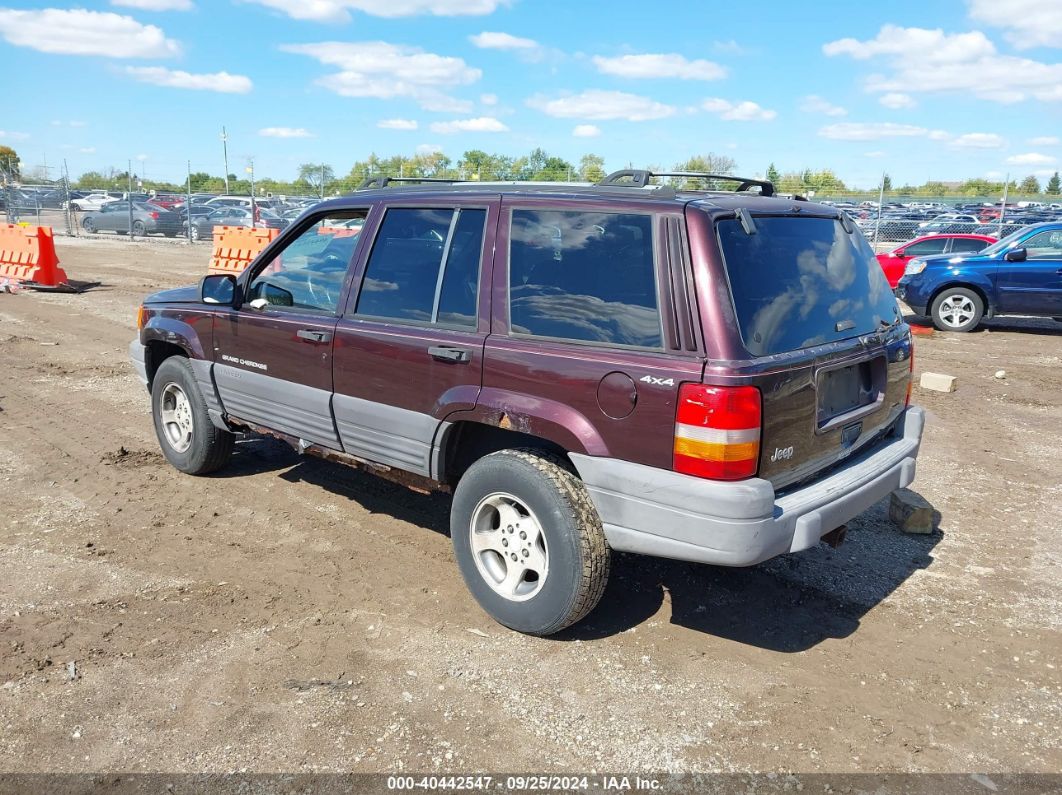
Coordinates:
27	254
236	246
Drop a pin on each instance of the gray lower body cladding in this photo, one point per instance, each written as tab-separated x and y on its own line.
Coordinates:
300	411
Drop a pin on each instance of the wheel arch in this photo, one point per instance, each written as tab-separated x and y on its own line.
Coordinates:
966	285
463	442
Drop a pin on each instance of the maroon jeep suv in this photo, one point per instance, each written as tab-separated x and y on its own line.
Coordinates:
715	376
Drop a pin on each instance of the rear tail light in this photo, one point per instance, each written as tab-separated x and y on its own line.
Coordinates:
155	215
717	431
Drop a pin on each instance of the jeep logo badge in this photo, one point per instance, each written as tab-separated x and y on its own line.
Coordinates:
782	454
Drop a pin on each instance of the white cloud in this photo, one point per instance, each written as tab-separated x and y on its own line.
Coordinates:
979	141
428	149
80	32
397	124
155	5
939	135
659	65
502	41
896	100
482	124
928	61
11	135
488	99
875	154
339	10
285	132
1030	159
728	47
816	104
87	150
740	111
222	82
602	105
862	131
586	131
381	70
1029	23
1045	140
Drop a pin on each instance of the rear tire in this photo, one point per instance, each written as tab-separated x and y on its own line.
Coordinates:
529	541
139	230
89	226
188	438
957	309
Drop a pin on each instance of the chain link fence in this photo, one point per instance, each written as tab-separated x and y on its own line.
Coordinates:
126	204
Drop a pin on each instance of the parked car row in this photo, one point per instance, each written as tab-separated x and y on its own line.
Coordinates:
1018	275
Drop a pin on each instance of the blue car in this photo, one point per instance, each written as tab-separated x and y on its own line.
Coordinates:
1019	275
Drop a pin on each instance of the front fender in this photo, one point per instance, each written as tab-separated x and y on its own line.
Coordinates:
191	330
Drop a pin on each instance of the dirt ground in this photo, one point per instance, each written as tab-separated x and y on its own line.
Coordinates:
293	615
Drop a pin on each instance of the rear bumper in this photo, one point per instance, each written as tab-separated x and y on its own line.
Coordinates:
662	513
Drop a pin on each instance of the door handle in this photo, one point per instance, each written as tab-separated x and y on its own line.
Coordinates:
446	353
313	335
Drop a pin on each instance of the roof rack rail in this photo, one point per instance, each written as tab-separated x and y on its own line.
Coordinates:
383	182
639	178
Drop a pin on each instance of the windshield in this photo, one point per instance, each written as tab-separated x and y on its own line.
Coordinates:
1002	245
799	282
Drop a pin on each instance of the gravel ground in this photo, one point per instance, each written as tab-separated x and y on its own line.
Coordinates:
293	615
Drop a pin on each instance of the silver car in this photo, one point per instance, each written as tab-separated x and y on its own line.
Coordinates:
147	219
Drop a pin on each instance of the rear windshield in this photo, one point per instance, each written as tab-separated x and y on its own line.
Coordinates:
799	282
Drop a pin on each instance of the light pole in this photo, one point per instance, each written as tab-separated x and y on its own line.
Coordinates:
225	150
254	207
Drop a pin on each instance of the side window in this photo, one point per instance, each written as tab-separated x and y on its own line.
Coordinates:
1046	245
308	274
967	245
584	276
926	247
424	267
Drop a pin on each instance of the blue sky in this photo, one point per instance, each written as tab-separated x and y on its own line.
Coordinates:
943	90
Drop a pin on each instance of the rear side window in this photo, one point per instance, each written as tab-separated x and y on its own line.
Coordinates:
799	282
935	246
585	276
424	267
967	244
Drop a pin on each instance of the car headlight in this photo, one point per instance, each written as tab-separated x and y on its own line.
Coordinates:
914	266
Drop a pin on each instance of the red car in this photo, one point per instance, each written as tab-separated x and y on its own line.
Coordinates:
894	262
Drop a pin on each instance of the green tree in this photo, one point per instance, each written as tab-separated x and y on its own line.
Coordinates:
886	183
316	176
1030	185
773	174
592	168
9	168
709	163
1054	187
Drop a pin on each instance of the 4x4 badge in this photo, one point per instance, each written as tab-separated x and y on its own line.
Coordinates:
657	381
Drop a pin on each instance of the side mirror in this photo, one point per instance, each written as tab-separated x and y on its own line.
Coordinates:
1019	254
271	295
218	288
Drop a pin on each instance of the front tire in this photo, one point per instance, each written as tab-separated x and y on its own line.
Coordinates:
957	309
188	438
529	541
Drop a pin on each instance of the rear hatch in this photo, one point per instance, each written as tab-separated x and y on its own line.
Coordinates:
825	339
